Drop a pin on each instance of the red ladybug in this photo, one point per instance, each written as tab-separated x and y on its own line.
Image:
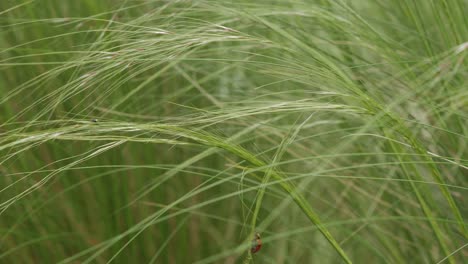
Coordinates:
256	244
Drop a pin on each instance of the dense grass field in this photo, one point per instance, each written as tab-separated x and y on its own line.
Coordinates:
163	131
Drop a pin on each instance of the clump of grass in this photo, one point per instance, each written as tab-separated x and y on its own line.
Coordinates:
134	131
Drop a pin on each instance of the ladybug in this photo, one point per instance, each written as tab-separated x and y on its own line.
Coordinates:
256	244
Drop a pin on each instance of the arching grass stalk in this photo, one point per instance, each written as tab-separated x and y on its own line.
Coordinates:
84	132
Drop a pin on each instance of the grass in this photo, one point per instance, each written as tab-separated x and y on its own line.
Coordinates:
172	131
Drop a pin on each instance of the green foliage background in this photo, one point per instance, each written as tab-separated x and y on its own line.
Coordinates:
172	131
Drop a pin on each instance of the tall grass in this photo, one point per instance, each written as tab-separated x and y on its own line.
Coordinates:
173	131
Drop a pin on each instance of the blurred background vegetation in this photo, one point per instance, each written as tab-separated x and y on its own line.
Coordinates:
170	131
